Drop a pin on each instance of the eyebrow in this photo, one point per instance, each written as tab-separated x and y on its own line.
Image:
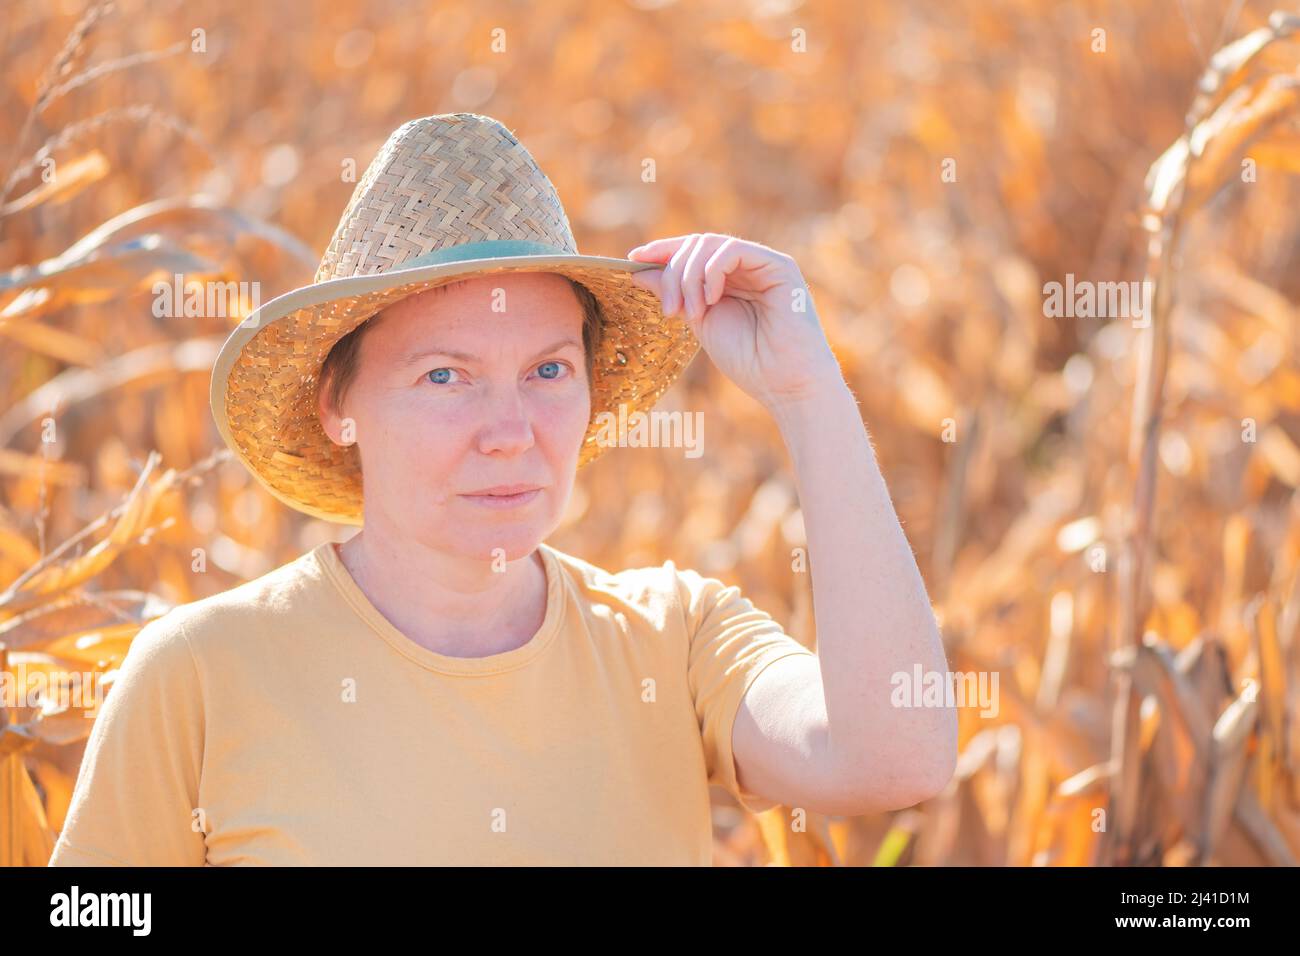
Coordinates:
466	357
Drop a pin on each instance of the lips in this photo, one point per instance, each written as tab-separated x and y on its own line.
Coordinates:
503	490
489	498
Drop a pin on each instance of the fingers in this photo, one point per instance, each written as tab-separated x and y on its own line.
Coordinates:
651	280
696	268
667	251
684	273
673	297
693	273
726	259
660	250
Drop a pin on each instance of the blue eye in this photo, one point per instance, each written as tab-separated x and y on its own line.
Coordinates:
439	371
544	365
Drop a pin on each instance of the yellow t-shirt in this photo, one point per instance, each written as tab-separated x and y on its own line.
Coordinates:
286	721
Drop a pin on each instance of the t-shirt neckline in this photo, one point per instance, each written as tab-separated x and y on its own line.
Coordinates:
336	571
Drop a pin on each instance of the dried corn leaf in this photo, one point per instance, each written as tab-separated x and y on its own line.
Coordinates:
25	838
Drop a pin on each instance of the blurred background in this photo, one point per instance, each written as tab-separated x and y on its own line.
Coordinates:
1104	511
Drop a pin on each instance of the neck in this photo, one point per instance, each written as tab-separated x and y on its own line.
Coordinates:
447	602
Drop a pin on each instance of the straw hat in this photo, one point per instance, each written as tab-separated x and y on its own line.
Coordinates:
447	197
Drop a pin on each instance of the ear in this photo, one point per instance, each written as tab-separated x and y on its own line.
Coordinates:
331	422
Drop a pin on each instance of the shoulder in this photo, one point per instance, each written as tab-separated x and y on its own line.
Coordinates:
660	590
242	610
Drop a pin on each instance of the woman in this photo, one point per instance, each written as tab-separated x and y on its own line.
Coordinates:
445	687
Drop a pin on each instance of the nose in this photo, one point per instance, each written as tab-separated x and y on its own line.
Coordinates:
508	427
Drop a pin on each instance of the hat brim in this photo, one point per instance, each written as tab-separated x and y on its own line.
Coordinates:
264	380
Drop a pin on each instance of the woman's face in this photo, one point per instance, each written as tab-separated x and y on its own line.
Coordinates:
466	388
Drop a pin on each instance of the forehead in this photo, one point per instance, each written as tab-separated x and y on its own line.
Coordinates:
522	308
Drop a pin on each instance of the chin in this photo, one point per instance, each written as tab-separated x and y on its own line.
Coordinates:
517	539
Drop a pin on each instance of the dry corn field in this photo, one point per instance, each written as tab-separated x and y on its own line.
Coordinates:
1105	509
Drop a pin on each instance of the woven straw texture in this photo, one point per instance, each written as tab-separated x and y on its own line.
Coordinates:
439	181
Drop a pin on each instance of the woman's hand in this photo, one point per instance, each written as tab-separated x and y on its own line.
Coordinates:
749	307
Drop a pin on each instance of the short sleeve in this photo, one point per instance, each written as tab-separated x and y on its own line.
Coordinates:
731	643
138	786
